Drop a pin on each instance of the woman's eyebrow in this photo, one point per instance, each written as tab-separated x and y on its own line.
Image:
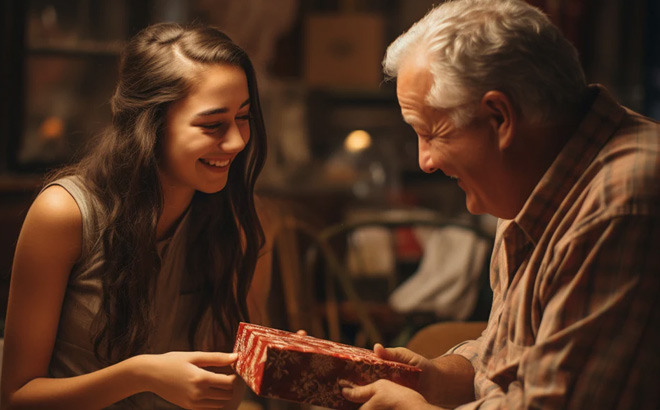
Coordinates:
220	110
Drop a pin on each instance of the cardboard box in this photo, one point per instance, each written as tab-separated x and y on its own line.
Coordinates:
304	369
344	51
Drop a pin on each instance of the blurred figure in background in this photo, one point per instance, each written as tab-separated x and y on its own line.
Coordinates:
499	102
134	267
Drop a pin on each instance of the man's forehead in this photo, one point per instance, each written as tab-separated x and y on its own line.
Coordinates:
411	118
414	82
416	68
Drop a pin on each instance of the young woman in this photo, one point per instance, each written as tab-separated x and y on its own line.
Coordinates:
134	267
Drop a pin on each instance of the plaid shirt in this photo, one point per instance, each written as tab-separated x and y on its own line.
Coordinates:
575	321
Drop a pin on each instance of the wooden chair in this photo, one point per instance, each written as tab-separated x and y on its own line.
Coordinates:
344	304
292	305
436	339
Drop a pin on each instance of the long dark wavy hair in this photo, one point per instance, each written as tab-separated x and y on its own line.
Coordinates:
224	233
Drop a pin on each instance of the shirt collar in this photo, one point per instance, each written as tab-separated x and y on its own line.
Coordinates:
600	122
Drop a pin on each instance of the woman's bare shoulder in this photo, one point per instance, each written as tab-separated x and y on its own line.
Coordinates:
53	224
55	205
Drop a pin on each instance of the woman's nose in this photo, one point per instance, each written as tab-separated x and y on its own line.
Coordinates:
234	140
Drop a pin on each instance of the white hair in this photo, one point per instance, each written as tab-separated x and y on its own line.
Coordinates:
474	46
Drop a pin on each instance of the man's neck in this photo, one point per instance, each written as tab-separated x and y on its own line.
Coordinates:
533	154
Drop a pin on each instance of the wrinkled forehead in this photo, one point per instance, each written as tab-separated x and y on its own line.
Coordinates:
414	82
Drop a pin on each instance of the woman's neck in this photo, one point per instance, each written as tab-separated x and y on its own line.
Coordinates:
175	203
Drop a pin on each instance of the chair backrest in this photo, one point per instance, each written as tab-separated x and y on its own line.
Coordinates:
436	339
291	304
362	257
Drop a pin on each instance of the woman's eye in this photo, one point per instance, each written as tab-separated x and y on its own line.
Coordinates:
212	126
245	117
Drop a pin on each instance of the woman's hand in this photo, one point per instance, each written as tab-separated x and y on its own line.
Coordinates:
181	378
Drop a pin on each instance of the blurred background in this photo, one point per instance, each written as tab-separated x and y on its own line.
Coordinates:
342	173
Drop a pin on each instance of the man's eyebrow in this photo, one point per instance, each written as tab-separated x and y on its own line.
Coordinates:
220	110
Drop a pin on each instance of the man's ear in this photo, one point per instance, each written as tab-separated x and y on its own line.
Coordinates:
502	116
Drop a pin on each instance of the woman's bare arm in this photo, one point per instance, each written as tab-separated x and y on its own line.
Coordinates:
48	246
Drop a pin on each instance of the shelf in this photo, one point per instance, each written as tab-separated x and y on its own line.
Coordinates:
14	183
78	49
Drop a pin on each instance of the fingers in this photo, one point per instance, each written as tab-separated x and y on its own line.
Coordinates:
381	351
212	359
302	332
395	354
355	393
214	397
221	381
214	393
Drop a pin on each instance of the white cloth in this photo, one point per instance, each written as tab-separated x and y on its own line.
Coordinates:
447	280
370	252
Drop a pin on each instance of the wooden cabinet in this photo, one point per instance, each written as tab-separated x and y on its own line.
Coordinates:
57	72
61	67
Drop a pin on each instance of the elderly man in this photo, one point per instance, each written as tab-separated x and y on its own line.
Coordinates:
499	102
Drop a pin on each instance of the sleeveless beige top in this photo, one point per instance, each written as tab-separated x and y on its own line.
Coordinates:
73	353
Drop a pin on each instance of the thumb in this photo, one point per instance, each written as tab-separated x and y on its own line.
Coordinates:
215	359
355	393
397	354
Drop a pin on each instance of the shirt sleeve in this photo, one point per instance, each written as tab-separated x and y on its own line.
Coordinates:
468	349
596	345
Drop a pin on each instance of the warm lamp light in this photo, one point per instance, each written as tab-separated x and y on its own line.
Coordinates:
357	141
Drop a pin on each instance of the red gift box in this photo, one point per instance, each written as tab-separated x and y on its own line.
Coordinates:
304	369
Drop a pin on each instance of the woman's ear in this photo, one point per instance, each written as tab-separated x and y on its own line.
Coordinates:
502	117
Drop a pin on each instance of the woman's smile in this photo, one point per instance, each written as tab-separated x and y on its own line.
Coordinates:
216	165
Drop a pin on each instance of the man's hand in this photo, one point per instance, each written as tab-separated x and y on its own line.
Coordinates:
428	381
401	355
445	381
384	395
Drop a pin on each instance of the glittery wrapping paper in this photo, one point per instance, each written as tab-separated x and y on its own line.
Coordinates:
305	369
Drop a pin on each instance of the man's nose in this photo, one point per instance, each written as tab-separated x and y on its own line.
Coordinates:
425	159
